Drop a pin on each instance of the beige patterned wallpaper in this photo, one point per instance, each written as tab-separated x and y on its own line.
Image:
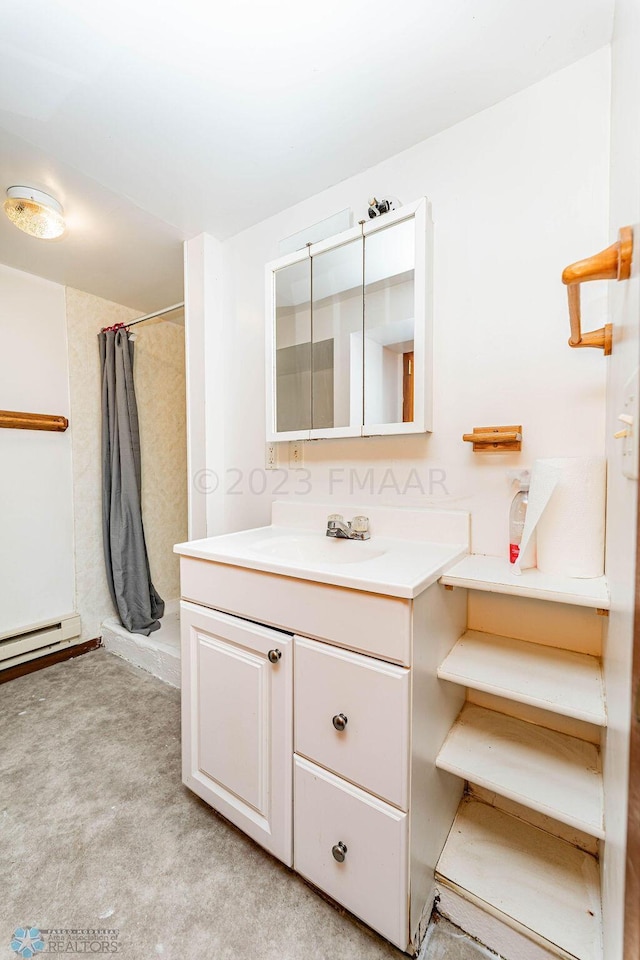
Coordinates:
160	387
159	371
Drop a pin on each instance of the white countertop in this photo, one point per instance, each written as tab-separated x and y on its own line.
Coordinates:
394	567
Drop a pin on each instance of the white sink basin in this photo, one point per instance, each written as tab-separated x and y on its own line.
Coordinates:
321	549
409	549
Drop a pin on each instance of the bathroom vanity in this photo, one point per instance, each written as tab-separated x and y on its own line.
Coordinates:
311	710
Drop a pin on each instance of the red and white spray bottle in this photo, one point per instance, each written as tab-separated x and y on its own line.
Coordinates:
518	512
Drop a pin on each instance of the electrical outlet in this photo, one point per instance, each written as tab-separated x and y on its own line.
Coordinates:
296	453
271	457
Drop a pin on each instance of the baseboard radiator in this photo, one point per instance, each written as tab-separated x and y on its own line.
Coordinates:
37	639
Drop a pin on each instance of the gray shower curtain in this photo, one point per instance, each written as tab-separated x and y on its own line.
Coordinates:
127	564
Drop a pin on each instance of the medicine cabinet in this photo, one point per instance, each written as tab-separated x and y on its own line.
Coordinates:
349	346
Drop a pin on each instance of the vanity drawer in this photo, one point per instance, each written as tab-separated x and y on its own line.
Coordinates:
368	622
372	880
352	716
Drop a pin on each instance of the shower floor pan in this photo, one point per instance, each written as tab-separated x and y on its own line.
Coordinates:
159	653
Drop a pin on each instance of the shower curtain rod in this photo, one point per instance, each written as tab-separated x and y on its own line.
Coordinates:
148	316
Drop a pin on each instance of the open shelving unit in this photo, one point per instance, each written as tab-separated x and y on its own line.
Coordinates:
533	881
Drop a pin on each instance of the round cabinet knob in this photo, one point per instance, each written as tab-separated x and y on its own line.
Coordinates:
274	655
339	851
340	721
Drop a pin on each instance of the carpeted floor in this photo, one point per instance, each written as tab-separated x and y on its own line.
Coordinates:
97	832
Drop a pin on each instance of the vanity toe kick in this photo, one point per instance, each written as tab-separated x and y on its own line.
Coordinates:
354	847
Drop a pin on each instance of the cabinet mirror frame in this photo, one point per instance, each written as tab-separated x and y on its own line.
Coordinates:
420	213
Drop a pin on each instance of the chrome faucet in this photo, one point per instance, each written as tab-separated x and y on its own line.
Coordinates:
357	529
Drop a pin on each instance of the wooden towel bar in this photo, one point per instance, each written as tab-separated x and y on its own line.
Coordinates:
614	263
13	420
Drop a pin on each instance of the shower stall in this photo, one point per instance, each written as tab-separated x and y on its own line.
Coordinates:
159	376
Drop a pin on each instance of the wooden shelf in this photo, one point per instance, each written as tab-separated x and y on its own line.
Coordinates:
533	882
547	771
558	680
495	574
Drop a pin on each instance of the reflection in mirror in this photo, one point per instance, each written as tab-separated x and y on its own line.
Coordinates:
293	346
389	324
337	305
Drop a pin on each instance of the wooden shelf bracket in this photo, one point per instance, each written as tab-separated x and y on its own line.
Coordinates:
614	263
13	420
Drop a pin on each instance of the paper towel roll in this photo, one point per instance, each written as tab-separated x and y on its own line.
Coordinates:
571	528
566	516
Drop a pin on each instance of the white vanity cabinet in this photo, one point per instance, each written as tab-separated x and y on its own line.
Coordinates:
355	802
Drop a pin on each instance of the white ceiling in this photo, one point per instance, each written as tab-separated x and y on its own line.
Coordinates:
153	122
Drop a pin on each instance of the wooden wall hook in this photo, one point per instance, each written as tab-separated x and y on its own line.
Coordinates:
614	263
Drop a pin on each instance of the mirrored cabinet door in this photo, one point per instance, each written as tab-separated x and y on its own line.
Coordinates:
389	327
336	333
397	323
292	355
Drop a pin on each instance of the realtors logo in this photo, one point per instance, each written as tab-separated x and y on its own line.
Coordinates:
26	942
29	942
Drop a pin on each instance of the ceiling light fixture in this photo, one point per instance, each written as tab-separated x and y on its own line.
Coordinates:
34	212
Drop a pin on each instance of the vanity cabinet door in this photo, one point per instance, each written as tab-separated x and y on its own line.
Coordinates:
237	722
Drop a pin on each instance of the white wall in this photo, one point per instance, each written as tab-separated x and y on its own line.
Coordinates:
36	513
205	381
518	191
622	493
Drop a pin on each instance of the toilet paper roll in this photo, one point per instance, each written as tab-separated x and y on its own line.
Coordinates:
566	512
